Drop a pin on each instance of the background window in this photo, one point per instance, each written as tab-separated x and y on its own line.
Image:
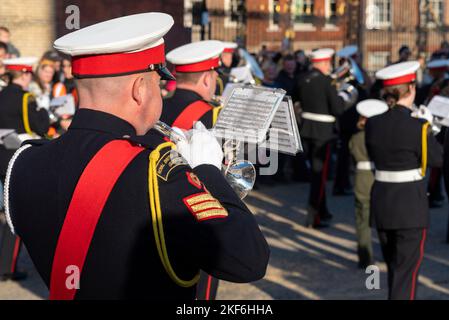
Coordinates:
377	60
303	11
378	14
276	12
332	10
435	11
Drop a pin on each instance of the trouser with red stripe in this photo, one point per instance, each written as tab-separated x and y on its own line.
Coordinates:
207	287
318	153
403	252
9	251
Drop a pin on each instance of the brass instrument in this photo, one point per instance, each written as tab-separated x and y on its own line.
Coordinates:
342	76
240	174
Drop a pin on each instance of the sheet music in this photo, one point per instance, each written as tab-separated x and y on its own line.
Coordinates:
283	134
248	113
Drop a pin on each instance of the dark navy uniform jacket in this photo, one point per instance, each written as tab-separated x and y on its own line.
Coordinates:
11	99
223	80
122	262
178	102
393	140
316	94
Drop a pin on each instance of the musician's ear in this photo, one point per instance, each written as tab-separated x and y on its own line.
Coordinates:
206	79
137	89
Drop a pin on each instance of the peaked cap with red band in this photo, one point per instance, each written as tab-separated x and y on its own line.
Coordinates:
322	55
24	64
439	64
229	47
197	56
121	46
397	74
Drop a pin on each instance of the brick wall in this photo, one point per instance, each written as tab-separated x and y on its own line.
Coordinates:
95	11
34	24
403	30
30	23
259	30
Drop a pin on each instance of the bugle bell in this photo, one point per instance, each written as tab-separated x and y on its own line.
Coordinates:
240	174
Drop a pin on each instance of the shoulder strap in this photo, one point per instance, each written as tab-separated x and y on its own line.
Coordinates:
216	112
424	129
25	117
156	217
192	113
90	195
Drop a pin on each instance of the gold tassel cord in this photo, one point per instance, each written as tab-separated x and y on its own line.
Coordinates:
156	217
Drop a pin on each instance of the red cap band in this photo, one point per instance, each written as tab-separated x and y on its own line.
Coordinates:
117	63
321	59
19	67
400	80
229	50
199	66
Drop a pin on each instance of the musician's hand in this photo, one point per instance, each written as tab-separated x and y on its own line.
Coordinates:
201	147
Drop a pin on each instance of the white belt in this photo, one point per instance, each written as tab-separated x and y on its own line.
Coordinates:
365	165
399	176
318	117
25	136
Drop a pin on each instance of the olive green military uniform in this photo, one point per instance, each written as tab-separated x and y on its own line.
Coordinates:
364	179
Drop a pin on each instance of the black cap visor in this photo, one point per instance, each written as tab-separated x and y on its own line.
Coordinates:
163	71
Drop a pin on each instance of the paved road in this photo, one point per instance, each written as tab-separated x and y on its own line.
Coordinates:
305	264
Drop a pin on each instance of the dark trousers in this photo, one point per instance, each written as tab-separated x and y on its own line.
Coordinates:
318	153
9	251
343	164
207	287
435	186
403	251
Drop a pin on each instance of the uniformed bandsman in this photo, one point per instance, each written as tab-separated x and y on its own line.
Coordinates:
438	70
197	65
401	148
18	111
125	214
348	122
227	60
363	180
321	104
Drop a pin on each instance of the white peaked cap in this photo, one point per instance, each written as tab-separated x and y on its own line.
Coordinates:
197	56
124	45
371	107
229	46
20	64
400	73
322	54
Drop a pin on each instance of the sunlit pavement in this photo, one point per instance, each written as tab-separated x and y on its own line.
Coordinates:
305	263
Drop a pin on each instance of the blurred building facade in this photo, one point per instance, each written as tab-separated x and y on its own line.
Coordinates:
378	27
31	23
34	24
278	24
389	24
